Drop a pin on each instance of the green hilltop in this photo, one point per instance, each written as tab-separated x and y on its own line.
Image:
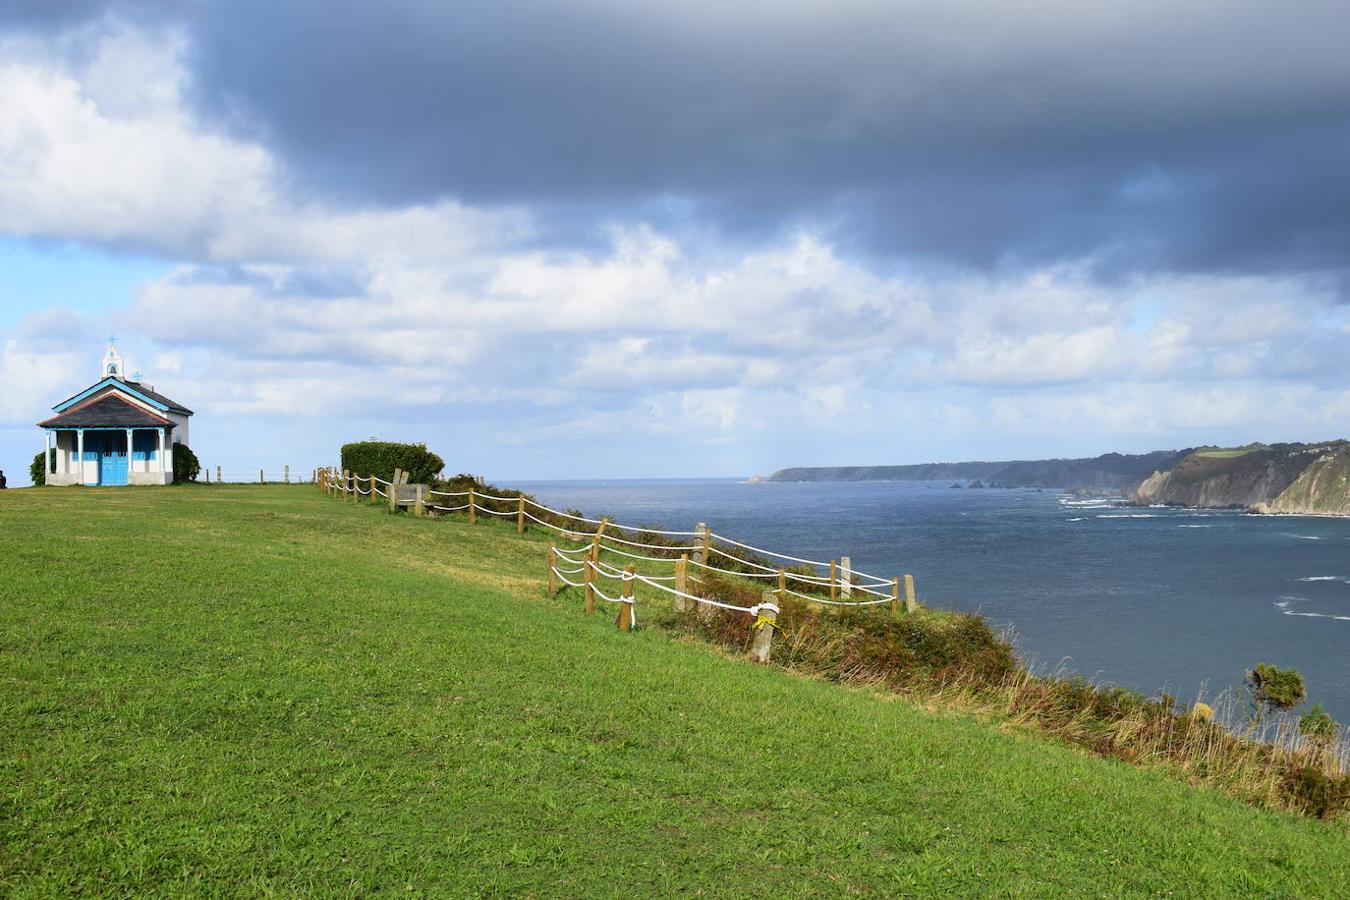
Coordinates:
261	690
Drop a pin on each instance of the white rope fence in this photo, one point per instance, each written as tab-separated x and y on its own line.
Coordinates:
599	541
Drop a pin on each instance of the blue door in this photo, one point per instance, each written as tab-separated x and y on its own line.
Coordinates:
109	450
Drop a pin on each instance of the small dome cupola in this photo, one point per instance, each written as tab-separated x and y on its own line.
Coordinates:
112	361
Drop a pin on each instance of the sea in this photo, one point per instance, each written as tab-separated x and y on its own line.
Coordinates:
1153	599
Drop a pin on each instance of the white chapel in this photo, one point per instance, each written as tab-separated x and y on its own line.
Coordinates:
116	431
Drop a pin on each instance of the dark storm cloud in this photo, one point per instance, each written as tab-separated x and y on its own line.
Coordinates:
1209	137
40	14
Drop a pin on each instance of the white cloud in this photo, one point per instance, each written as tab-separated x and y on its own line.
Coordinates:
97	144
33	380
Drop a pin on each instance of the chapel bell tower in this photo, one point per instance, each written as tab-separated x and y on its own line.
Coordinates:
112	361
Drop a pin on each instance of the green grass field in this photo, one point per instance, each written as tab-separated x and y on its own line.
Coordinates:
1229	453
254	690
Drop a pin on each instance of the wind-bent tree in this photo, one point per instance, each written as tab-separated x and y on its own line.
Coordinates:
1272	688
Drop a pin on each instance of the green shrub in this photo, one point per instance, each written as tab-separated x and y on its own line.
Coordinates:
1317	726
381	458
37	471
1317	792
860	643
185	464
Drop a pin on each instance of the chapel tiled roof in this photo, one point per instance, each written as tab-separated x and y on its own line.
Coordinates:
108	411
141	389
159	398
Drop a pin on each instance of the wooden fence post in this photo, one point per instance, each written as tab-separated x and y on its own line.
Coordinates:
261	478
782	585
682	581
393	493
895	595
701	555
473	510
356	488
520	516
911	604
761	633
834	580
846	576
625	621
552	575
589	576
420	500
208	474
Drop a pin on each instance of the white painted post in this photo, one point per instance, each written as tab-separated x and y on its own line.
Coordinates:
761	633
47	463
162	470
846	576
130	467
80	453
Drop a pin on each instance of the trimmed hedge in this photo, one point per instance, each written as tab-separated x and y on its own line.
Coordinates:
185	464
381	458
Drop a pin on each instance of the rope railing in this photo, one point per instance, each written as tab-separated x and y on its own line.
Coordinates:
841	583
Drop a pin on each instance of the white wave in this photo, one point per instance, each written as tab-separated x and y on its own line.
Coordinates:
1195	526
1129	516
1341	578
1303	537
1075	519
1284	603
1290	612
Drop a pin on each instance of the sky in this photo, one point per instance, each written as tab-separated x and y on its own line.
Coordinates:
590	239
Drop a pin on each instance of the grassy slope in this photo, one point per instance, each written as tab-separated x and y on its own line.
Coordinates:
262	689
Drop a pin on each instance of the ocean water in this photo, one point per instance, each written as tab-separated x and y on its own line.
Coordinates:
1151	599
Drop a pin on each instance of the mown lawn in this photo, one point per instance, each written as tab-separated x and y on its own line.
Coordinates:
252	690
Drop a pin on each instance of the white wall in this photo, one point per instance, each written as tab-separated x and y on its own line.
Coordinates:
180	428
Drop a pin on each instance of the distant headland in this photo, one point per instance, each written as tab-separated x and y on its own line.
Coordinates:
1113	472
1294	479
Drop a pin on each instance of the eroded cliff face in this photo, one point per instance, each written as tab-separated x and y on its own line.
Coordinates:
1322	489
1291	478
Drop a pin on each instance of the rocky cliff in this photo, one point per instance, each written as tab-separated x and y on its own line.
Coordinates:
1286	478
1322	489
